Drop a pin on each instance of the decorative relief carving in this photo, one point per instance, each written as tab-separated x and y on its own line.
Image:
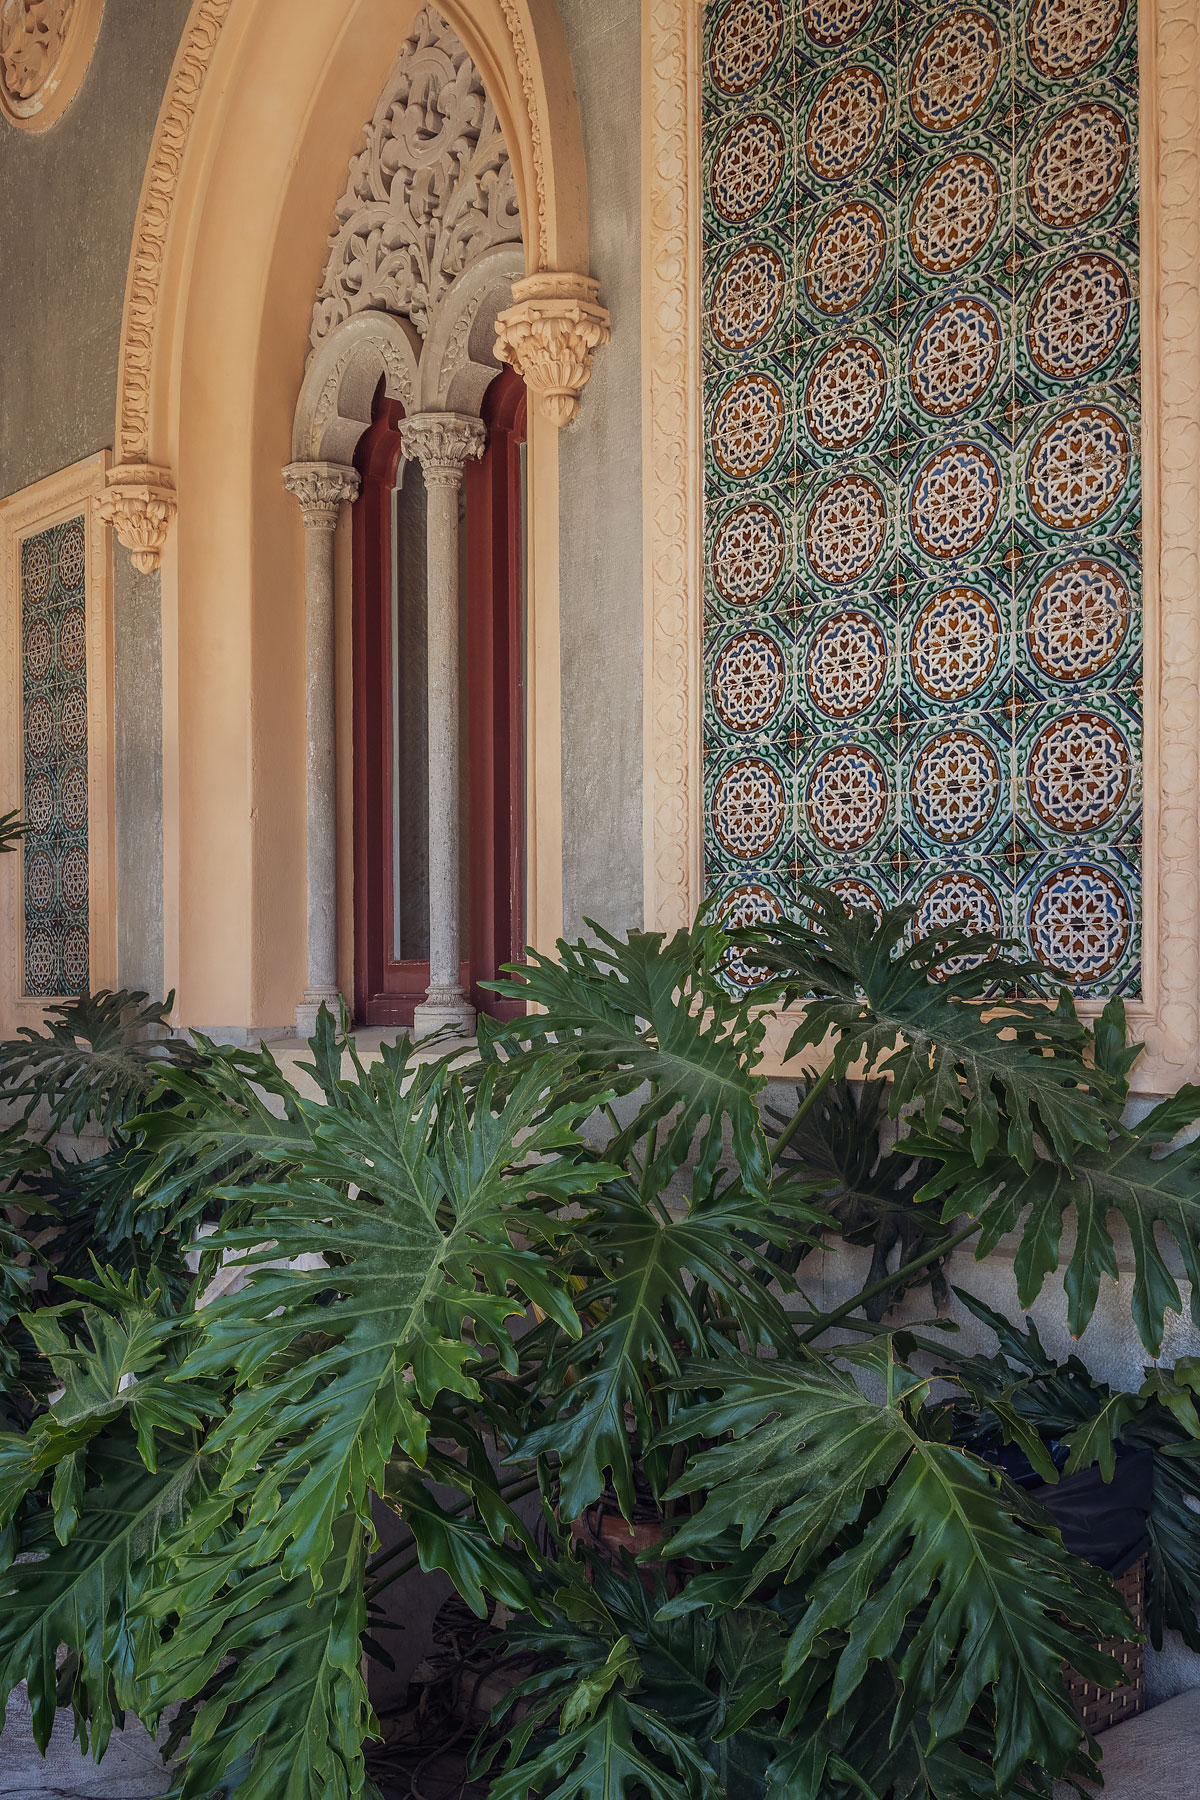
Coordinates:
139	503
443	443
672	473
512	19
549	335
45	47
321	487
429	192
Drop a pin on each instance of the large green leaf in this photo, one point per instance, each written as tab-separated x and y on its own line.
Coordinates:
925	1014
652	1281
407	1213
269	1671
651	1009
946	1569
82	1595
99	1057
1133	1175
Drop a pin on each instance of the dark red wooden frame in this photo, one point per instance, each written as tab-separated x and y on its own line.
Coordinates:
386	991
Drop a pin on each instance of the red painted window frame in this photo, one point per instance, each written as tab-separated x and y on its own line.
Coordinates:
386	991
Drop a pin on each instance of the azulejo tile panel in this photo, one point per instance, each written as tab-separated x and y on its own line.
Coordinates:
55	722
923	494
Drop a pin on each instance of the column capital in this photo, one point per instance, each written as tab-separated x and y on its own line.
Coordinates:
321	487
139	503
550	334
443	443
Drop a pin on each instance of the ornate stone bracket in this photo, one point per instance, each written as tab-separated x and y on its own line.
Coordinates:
139	503
550	334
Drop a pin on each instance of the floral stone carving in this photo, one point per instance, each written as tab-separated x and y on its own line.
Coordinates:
549	335
139	503
429	192
45	47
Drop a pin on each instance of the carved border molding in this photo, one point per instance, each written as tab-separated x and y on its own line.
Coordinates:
68	494
512	19
75	25
672	460
1168	1017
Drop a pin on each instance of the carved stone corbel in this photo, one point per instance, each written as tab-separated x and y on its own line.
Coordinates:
139	503
550	334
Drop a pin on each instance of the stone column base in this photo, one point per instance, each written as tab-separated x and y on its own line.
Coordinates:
310	1006
444	1008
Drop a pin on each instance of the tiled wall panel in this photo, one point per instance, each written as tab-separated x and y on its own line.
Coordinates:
923	494
55	721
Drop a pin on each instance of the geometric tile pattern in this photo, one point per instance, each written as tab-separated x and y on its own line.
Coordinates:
922	622
55	725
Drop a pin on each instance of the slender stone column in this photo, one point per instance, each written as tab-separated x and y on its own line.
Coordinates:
443	443
320	488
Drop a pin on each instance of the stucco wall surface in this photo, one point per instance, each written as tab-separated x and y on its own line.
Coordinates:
68	197
601	506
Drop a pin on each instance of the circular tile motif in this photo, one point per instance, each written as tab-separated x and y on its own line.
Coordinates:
748	808
747	906
954	213
36	570
845	258
39	803
955	644
1079	772
74	878
39	650
41	963
747	296
747	426
845	123
1077	165
748	553
845	529
958	900
39	727
955	354
1065	37
72	638
1080	922
72	556
1077	467
832	22
1077	316
747	168
954	70
955	499
852	893
955	786
748	680
846	798
74	799
75	959
744	44
39	881
845	393
1078	619
73	719
846	664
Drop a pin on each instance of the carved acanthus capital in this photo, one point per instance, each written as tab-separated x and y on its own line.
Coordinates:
321	487
443	443
550	334
139	503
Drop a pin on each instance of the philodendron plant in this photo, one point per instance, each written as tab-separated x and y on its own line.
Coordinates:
571	1272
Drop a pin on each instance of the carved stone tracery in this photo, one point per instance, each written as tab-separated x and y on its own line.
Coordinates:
430	191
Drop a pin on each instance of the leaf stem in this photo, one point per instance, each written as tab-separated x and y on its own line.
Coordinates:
517	1490
798	1117
889	1281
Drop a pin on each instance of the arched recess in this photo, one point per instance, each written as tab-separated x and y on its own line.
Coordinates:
264	111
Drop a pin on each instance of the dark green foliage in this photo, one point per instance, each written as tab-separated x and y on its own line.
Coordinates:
97	1059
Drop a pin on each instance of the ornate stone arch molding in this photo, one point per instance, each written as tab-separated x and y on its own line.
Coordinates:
556	320
1168	1016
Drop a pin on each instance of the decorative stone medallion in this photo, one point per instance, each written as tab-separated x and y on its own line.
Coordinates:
45	48
921	367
